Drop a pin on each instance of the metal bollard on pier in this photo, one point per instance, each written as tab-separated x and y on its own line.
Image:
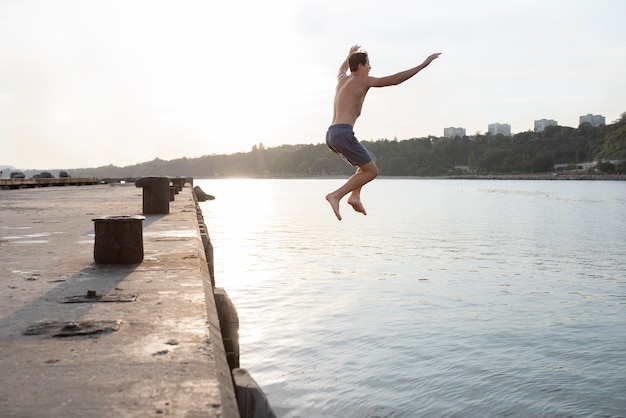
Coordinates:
156	194
179	182
119	239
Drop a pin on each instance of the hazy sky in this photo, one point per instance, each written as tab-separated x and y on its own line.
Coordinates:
85	83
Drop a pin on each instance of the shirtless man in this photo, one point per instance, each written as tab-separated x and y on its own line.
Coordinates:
349	96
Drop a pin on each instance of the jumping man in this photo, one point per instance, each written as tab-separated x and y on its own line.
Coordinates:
349	96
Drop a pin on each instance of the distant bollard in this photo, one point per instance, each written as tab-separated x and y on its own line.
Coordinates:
119	239
156	194
173	193
179	182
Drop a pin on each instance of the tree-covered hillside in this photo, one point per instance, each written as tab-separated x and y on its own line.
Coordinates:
526	152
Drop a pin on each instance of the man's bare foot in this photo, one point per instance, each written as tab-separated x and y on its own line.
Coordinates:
334	203
357	205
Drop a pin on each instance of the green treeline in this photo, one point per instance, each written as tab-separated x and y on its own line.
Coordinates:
523	153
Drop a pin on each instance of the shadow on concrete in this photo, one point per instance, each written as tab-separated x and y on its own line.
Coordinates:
150	219
52	306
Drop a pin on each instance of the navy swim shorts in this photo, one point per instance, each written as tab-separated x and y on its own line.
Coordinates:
341	140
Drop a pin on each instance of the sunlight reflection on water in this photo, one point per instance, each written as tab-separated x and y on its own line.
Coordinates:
468	298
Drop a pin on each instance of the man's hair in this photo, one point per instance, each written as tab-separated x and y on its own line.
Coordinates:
356	59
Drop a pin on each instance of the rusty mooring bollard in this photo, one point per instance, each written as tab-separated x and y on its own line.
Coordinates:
179	182
156	194
173	193
119	239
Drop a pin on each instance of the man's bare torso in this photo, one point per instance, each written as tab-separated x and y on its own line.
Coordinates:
349	97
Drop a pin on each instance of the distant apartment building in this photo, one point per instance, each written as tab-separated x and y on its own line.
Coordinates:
541	124
593	120
499	128
453	132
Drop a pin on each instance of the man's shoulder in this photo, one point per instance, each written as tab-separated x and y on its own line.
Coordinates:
355	82
343	78
363	80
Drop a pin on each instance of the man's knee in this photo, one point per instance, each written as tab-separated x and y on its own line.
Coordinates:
370	168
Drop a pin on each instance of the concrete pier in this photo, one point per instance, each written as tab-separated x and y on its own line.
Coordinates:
79	339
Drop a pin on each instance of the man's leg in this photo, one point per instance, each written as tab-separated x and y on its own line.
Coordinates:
355	201
364	174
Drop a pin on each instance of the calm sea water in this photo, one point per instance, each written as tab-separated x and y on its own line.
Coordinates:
451	298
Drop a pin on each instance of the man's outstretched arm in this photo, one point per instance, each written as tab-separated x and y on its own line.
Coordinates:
401	77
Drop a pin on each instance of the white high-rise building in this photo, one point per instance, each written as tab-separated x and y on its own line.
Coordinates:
453	132
541	124
499	128
593	120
